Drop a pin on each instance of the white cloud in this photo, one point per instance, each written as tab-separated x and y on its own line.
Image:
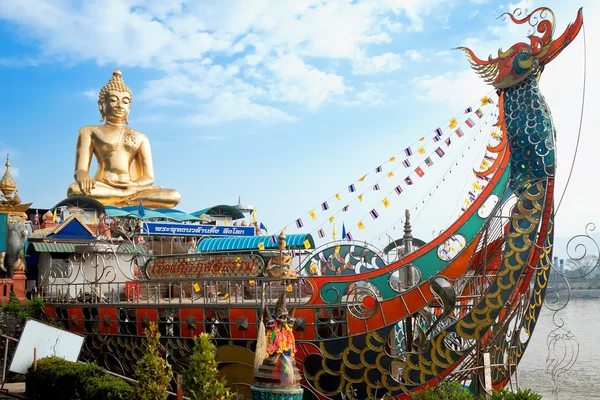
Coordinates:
460	88
227	106
372	95
297	82
473	14
265	49
414	55
561	85
91	94
386	62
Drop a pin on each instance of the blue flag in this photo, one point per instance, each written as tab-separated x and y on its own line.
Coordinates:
263	227
141	212
343	231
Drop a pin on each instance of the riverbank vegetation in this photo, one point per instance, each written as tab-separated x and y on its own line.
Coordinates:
455	391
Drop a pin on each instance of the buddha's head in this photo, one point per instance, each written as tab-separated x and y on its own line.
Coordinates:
114	101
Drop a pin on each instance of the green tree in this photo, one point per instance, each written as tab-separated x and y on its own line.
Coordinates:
202	380
443	391
152	371
520	394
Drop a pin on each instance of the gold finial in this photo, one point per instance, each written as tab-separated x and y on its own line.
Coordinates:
281	241
115	83
7	183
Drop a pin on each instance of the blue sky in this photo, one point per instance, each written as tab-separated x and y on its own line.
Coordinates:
281	103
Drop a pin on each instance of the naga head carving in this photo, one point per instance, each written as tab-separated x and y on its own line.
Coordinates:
522	59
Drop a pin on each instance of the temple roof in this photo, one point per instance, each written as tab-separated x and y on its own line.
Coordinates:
83	202
221	211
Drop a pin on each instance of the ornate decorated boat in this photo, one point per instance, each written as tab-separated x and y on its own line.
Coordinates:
366	327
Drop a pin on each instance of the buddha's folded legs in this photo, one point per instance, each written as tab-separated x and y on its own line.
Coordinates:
153	197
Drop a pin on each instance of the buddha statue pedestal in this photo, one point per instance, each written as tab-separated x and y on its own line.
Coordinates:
125	174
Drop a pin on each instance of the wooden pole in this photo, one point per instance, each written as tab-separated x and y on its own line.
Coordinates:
487	374
179	387
34	359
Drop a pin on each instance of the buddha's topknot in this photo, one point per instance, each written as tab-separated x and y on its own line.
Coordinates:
115	83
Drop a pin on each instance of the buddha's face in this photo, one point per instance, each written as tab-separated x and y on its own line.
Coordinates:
116	106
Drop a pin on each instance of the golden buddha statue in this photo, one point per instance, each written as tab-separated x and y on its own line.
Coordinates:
125	173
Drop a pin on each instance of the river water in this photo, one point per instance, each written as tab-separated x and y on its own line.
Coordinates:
582	381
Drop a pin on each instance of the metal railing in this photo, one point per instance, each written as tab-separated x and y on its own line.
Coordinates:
211	291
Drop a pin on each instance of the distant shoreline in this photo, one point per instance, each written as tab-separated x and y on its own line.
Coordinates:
587	294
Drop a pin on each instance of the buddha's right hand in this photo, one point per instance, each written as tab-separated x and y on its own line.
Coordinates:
85	181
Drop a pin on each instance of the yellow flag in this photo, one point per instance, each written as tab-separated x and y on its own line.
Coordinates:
477	186
312	214
333	234
360	197
95	218
306	244
288	288
467	202
486	100
331	219
337	196
363	178
226	296
337	249
386	202
261	246
393	159
54	216
361	226
253	215
453	123
225	222
421	151
196	287
391	174
313	269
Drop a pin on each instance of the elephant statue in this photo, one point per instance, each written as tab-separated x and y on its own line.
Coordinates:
16	235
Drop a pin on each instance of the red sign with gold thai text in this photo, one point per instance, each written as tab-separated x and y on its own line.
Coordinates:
201	266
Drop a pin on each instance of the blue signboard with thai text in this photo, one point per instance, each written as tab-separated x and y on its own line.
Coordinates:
170	229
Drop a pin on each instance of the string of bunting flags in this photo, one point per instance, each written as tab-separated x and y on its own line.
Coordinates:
480	182
469	118
419	170
478	185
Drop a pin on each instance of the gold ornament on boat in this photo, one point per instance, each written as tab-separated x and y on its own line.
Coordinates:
7	183
125	172
10	201
279	265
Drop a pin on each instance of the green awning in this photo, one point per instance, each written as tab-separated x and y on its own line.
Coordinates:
159	213
59	247
293	242
43	247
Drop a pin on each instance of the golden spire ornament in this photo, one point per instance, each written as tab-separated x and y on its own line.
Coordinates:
7	183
